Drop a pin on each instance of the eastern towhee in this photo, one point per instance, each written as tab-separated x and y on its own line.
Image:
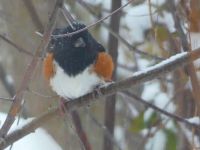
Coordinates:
76	64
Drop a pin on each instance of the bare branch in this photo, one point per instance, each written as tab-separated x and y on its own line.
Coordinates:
79	129
109	117
34	16
6	99
139	77
20	49
103	128
16	105
68	16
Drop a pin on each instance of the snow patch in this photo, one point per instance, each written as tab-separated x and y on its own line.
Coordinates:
39	140
9	79
157	142
190	136
147	114
150	90
195	120
119	134
138	20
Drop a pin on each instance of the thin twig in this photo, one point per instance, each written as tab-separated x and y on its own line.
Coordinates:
40	94
6	99
80	130
95	23
33	14
19	48
147	104
68	16
66	114
16	105
103	128
138	78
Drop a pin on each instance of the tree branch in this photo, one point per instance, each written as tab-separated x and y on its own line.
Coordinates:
34	16
16	105
109	117
157	109
139	77
79	129
103	128
20	49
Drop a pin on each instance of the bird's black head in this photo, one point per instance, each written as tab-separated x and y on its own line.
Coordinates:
76	52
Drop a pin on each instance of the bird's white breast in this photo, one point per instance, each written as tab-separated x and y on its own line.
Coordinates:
73	86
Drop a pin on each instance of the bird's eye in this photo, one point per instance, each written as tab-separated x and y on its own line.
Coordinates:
79	43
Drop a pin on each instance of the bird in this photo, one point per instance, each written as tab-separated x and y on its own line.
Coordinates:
77	64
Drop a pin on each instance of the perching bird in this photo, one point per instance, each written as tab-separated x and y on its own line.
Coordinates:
76	64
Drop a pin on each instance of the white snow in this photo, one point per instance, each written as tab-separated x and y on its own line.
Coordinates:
150	90
162	101
9	79
157	142
145	132
138	20
195	40
157	2
39	140
147	114
171	125
142	63
133	110
119	134
195	120
93	2
194	140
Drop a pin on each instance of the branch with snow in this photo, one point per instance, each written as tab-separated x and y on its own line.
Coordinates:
194	120
139	77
